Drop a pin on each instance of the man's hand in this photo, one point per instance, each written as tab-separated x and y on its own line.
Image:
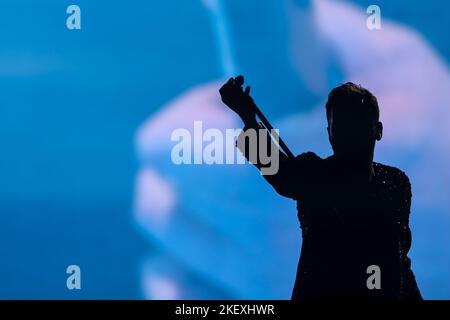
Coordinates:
237	99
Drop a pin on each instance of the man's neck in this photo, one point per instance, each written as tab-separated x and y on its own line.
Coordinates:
356	168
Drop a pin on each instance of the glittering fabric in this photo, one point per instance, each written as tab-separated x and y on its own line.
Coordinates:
348	226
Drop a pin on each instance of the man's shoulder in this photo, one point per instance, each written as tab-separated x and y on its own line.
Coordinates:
392	171
392	175
308	156
308	165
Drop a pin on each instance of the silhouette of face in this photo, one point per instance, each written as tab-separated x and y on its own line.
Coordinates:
352	132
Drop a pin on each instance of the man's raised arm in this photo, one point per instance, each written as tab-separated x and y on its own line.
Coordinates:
255	142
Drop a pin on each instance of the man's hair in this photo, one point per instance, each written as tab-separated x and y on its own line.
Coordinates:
353	97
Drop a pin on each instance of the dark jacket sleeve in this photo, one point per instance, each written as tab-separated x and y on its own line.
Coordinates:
290	178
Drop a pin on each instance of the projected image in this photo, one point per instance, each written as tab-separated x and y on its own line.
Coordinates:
96	201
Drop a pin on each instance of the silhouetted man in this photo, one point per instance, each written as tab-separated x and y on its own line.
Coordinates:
354	212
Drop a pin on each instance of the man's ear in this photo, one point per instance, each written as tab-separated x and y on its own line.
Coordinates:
379	131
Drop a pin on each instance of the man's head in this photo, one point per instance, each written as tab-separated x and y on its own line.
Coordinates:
353	121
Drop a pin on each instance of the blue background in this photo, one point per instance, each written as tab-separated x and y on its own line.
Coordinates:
71	103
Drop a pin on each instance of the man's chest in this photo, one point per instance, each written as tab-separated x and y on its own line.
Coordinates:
339	202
